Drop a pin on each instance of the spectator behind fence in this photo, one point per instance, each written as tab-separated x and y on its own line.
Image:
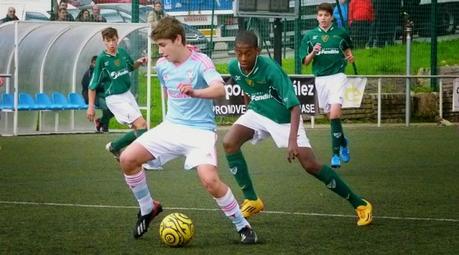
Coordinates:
361	17
157	14
62	5
96	14
10	15
153	18
343	5
102	122
387	16
62	15
84	16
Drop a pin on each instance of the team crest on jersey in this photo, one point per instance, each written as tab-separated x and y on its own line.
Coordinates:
189	74
325	38
117	62
249	82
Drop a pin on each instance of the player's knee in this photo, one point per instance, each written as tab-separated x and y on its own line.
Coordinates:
128	162
140	123
211	184
312	166
229	146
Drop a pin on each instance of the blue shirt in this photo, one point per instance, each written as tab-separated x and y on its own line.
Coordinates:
199	71
344	11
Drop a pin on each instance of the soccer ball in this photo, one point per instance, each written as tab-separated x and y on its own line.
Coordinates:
176	230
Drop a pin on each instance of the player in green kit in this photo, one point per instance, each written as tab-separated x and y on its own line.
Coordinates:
116	64
329	48
274	111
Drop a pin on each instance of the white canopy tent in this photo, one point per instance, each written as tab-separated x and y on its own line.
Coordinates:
53	56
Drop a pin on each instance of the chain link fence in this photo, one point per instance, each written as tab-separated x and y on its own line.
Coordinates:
371	23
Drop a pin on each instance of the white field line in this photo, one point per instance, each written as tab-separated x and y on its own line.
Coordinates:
215	209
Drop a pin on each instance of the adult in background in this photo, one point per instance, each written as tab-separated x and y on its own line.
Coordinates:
84	16
153	18
361	17
57	8
62	15
343	5
102	122
10	15
96	16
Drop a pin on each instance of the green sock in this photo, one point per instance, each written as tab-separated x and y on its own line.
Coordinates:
238	167
337	135
127	139
337	185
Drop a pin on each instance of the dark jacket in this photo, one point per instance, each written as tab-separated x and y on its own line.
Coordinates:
7	19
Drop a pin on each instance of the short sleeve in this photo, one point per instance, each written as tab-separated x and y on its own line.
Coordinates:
280	80
207	68
96	75
305	47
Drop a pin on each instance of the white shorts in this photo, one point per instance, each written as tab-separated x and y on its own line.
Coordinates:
265	127
330	90
124	107
168	141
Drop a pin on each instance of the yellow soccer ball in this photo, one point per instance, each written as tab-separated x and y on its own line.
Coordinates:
176	230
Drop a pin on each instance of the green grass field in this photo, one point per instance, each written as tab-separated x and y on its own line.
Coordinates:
63	194
387	60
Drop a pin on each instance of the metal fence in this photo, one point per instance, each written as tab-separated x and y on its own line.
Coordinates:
380	24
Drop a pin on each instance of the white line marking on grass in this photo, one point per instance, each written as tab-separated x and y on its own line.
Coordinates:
215	209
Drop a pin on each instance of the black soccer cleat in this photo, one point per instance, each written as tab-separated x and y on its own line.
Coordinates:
248	236
141	227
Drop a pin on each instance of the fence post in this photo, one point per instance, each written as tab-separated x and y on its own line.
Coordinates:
379	102
440	98
278	40
433	45
408	30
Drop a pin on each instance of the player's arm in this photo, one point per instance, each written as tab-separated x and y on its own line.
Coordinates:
95	79
216	89
307	49
91	112
346	45
315	49
131	64
139	62
246	99
279	79
292	138
348	55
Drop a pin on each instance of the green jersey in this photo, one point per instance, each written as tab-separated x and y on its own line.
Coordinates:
330	60
114	68
269	88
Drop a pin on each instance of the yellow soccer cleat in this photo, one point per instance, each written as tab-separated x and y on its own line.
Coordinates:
251	207
365	214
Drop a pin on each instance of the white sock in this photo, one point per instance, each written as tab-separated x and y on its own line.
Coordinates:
138	185
230	207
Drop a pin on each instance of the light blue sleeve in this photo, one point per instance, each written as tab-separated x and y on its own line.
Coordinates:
209	73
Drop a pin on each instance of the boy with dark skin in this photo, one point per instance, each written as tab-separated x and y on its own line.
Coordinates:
274	111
